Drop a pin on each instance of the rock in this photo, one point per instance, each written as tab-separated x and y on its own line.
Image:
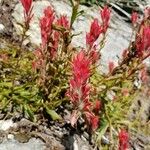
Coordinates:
2	28
33	144
79	144
6	124
118	35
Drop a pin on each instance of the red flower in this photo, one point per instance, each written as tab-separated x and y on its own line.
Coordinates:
94	33
27	5
105	16
97	106
111	66
79	89
46	25
134	18
143	41
146	38
125	53
92	120
94	55
123	140
81	68
63	21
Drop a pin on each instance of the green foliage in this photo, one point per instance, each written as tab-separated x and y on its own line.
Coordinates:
18	91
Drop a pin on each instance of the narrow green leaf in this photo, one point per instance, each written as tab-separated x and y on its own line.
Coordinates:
53	114
30	113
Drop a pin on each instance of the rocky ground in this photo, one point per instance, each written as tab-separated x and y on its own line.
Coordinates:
21	134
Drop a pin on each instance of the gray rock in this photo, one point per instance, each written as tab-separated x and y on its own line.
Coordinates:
2	27
33	144
6	124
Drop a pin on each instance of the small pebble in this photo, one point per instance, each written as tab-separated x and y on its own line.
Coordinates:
10	136
2	27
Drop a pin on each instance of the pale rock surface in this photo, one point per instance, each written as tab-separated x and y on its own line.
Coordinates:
2	27
12	144
6	124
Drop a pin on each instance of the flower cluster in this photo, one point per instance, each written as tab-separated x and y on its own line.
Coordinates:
79	92
111	66
143	41
46	25
123	140
96	29
105	16
50	37
134	18
27	5
94	33
62	21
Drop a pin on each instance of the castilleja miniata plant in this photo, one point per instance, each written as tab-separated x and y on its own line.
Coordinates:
63	75
28	15
79	92
52	58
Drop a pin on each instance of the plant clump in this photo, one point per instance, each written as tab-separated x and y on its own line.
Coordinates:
57	74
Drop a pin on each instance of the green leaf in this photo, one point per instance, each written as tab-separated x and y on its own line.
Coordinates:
6	84
30	113
71	1
103	129
74	14
6	92
53	114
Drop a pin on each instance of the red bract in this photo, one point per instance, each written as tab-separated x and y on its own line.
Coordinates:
123	140
94	55
111	66
79	91
125	53
79	88
38	63
94	33
63	21
146	38
97	106
105	16
92	120
134	18
147	12
27	5
46	25
81	68
143	41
